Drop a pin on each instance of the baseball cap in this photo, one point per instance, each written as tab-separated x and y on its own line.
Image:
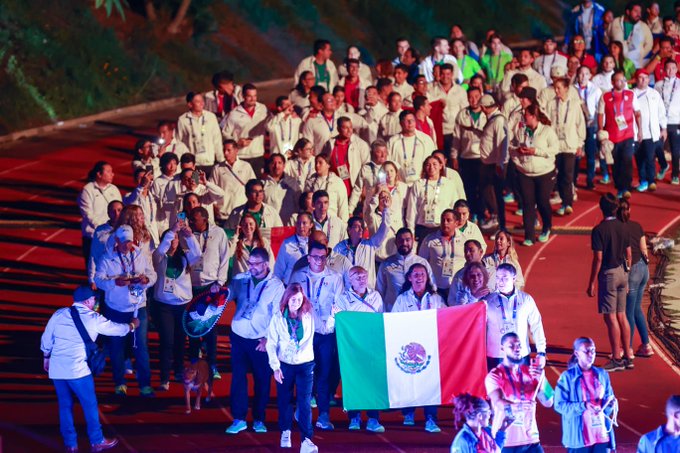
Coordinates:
124	233
82	293
641	71
558	71
487	101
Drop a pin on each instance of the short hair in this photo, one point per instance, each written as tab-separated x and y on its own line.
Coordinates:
401	231
377	143
449	211
96	168
400	39
320	44
474	242
446	66
138	171
170	124
436	40
350	61
187	158
471	89
508	268
505	337
673	403
342	120
318	90
112	202
261	253
319	194
461	203
418	102
271	158
518	79
631	5
166	158
670	61
280	100
667	39
325	156
252	183
393	95
338	89
608	204
228	141
352	220
222	76
404	114
356	270
200	210
248	87
401	67
191	95
188	195
382	83
316	245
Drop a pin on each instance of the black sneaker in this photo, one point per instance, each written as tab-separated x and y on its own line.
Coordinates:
629	363
614	365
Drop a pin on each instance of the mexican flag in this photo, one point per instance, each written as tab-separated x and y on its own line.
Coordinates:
424	358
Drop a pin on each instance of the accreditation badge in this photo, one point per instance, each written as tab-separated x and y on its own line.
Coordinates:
198	267
447	267
410	170
507	327
621	122
343	172
169	285
430	216
290	350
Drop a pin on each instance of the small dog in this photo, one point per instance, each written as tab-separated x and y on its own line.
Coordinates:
197	376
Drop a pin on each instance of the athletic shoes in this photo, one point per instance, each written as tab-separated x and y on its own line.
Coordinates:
409	420
308	447
324	422
121	390
614	365
237	427
104	445
605	180
312	403
431	426
629	363
216	374
355	423
509	197
259	427
645	350
528	243
662	173
568	210
164	387
675	181
285	439
543	237
147	392
642	187
374	426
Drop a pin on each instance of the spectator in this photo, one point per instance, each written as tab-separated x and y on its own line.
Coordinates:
586	21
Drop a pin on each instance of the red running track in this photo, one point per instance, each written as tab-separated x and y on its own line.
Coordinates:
40	262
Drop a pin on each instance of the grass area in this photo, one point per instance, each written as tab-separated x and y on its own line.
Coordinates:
65	59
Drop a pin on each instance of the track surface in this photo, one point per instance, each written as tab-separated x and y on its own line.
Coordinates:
40	262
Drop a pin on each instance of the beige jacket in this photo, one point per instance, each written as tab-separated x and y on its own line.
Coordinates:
455	100
639	43
569	123
465	141
547	146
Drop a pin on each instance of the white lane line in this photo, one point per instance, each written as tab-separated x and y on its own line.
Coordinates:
18	167
383	438
230	417
34	248
115	432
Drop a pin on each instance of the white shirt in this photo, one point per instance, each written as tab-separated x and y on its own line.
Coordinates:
333	227
174	291
525	317
93	202
392	275
113	265
446	257
364	253
254	304
232	180
409	153
241	125
426	66
284	347
426	200
66	348
338	204
322	290
292	249
408	301
591	95
202	136
214	264
283	196
299	170
284	132
670	94
652	113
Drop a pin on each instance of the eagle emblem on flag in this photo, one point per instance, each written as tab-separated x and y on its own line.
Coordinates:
413	358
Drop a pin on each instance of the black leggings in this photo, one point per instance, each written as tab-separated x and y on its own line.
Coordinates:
536	193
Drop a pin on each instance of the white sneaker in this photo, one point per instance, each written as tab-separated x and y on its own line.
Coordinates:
308	447
285	439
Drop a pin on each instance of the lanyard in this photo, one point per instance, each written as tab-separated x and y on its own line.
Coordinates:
290	131
514	309
566	113
515	390
302	247
321	225
352	250
233	173
300	167
549	66
403	148
620	112
670	100
259	295
191	124
318	289
331	123
462	67
419	302
450	242
436	192
362	299
205	241
335	153
131	262
293	324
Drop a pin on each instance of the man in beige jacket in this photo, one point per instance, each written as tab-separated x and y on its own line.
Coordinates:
633	33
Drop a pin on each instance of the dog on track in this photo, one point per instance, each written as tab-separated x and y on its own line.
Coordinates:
197	376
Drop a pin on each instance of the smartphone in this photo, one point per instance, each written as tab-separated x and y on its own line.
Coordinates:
196	177
182	216
161	141
149	169
382	177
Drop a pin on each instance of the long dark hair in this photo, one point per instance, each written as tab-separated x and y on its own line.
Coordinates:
535	110
623	211
300	87
292	290
97	168
257	236
177	257
407	283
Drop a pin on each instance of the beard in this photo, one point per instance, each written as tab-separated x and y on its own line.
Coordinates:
515	361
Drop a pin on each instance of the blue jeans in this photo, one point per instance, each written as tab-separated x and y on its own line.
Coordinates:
637	282
301	376
84	390
244	357
591	151
325	356
140	349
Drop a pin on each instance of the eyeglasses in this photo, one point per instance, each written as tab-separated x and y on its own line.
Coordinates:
256	192
316	257
578	41
255	263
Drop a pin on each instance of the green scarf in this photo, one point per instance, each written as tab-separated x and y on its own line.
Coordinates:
175	265
294	323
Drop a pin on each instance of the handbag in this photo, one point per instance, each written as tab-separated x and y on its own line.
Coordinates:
96	359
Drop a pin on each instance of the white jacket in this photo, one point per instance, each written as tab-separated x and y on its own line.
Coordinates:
109	268
437	251
292	249
454	100
93	202
269	217
466	142
299	171
322	290
670	94
334	228
279	342
527	317
424	195
409	153
307	64
232	180
408	301
149	207
283	196
254	304
392	275
213	266
337	193
201	136
283	132
639	42
99	239
388	125
174	291
319	130
652	113
240	125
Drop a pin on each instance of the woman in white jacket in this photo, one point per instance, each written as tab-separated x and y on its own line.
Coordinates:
323	179
248	236
569	123
172	292
290	348
533	150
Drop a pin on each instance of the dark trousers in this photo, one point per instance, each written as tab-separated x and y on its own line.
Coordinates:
597	448
623	164
244	357
565	177
141	351
644	157
536	193
430	412
469	170
591	150
369	414
325	358
173	339
87	246
674	140
531	448
301	377
491	185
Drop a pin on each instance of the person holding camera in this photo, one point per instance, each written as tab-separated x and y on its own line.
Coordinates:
65	359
